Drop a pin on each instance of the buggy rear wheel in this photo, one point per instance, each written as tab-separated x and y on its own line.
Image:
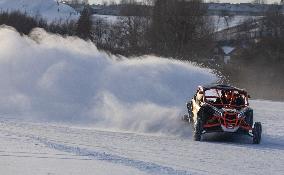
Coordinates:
197	130
190	113
256	131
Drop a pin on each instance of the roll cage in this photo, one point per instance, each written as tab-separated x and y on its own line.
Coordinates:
224	96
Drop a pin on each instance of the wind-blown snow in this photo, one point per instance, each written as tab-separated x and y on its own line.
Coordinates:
48	9
49	78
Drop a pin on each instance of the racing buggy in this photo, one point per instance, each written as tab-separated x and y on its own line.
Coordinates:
222	108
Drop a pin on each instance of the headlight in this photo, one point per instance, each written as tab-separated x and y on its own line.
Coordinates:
242	114
217	112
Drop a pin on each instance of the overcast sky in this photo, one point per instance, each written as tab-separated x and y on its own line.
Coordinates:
231	1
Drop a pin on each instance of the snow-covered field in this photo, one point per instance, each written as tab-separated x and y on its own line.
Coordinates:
47	9
67	108
225	22
40	148
108	18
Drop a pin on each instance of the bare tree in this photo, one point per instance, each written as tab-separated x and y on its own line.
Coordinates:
179	26
85	2
104	3
275	21
135	24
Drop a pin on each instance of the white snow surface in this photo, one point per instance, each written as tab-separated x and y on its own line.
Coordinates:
30	148
47	9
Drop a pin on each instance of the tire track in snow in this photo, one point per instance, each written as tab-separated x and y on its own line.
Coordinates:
148	167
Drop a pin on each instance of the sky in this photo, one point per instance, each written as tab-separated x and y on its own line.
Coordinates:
231	1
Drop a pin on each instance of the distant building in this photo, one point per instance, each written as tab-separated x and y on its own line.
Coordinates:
224	53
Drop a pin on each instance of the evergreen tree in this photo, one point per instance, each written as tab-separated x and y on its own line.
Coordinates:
84	25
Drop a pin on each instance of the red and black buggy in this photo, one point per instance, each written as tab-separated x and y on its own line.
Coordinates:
222	108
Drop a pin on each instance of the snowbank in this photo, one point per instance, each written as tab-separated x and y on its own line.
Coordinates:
50	78
48	9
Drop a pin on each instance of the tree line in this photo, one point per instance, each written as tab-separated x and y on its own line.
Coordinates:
264	37
173	28
24	23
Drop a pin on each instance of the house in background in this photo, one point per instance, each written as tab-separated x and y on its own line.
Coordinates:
224	53
227	51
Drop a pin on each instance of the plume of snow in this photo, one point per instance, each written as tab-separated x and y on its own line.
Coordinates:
49	78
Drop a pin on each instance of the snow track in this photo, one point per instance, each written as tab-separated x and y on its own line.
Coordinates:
84	153
147	167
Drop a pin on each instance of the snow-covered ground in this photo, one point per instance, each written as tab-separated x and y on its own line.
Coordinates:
108	18
39	148
27	155
47	9
67	108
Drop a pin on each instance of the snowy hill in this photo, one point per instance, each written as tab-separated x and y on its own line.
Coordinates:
48	9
